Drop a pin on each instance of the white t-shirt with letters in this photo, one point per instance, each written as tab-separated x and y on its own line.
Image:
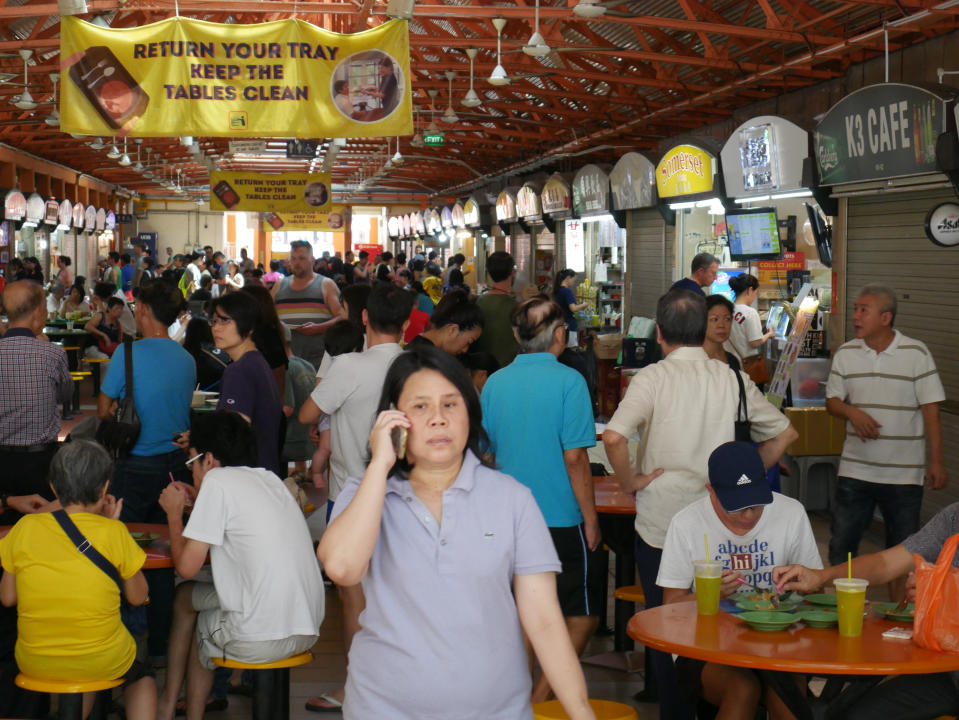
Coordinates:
781	537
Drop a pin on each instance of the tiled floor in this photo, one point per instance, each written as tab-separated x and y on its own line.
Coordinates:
328	669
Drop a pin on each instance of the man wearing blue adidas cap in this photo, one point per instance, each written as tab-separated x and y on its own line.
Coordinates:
749	530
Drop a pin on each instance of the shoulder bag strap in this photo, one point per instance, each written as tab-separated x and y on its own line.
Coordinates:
85	548
743	408
128	364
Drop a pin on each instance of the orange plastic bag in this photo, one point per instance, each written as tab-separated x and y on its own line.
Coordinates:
936	623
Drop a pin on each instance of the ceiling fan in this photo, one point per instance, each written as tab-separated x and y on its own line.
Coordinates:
598	8
53	118
450	114
536	46
471	99
499	76
25	101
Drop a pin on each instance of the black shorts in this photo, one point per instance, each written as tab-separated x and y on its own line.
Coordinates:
579	585
138	670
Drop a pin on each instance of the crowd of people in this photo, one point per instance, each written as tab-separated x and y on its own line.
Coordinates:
450	436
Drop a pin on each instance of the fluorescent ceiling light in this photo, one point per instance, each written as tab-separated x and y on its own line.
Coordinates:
756	198
682	206
597	218
794	194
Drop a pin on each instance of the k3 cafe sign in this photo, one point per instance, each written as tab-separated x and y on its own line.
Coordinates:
879	132
684	170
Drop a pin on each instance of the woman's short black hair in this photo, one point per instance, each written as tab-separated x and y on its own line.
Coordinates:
383	273
65	259
716	299
457	308
79	471
226	436
743	283
240	307
427	357
355	297
455	277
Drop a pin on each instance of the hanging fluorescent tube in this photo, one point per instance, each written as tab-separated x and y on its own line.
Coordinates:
756	198
682	206
794	194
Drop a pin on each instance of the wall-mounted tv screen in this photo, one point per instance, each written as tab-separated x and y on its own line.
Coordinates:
753	234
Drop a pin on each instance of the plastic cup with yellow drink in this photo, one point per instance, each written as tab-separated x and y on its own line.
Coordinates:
709	577
850	602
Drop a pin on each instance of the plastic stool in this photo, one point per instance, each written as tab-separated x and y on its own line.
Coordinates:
604	709
70	705
804	465
630	593
94	364
271	684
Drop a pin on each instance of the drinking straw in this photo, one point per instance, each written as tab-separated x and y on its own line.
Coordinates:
849	565
706	544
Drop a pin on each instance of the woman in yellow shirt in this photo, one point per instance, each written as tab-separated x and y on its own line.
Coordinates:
68	620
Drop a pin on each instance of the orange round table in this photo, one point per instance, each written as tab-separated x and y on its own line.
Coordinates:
158	552
610	499
727	640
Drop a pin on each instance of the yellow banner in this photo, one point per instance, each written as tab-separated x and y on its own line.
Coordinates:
333	221
278	192
684	170
285	78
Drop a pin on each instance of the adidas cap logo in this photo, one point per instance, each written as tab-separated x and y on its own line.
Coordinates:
743	480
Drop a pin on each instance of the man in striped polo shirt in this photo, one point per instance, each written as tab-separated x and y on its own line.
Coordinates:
885	385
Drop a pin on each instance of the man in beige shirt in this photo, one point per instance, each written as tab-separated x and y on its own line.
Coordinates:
683	408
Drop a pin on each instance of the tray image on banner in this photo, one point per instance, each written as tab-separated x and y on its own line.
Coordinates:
331	221
182	76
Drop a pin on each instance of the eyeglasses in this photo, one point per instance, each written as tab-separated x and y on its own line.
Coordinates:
218	319
193	459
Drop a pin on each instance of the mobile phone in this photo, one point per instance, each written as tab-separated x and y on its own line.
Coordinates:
398	435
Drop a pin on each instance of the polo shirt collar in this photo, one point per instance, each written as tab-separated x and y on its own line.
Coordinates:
897	338
19	332
688	352
465	480
526	358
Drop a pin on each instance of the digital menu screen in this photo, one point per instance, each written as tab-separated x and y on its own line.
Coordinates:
752	234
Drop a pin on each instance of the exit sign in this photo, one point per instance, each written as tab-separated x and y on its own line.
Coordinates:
437	139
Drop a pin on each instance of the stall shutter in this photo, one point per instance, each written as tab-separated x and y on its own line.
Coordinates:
886	243
649	260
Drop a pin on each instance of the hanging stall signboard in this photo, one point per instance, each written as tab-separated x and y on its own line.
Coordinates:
14	206
432	218
880	132
459	216
101	220
446	217
79	216
89	218
284	78
51	212
590	191
764	155
557	199
332	221
407	226
506	206
471	213
35	208
265	192
633	183
393	227
418	222
528	203
65	215
685	170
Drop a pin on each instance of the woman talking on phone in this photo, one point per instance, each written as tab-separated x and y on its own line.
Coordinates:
455	560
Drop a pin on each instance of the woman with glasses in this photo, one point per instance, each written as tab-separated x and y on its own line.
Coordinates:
455	561
248	386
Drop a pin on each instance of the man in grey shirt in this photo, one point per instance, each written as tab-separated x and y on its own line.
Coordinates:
350	393
904	696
